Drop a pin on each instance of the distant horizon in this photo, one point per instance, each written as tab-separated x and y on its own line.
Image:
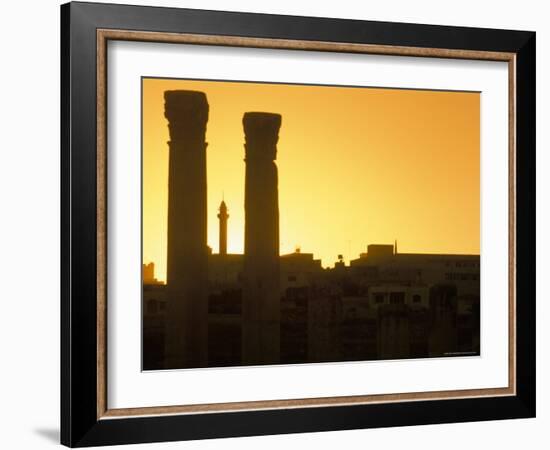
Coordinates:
355	165
331	266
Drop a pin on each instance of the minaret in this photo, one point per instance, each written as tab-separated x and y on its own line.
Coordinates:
261	292
223	216
187	256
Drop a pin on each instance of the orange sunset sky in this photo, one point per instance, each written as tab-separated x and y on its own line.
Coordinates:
357	166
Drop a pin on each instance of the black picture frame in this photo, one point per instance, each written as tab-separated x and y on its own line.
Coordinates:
80	425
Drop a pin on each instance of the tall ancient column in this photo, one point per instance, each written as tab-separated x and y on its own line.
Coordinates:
261	297
187	262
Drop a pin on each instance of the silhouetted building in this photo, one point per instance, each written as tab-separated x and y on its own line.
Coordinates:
414	295
224	302
443	330
394	338
323	322
385	306
358	328
154	322
298	269
261	299
225	271
412	269
187	263
294	325
149	274
224	327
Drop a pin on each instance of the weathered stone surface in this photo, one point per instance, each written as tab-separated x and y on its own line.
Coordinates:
187	259
261	277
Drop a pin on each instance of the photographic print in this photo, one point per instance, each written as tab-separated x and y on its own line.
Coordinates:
288	224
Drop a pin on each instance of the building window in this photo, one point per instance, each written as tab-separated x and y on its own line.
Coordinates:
397	298
379	298
152	306
460	276
292	278
417	298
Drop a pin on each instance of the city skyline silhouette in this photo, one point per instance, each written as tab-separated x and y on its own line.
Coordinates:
334	197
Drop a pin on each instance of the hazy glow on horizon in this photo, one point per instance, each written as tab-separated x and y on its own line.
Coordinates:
357	166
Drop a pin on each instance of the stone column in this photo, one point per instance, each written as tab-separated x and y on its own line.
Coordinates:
261	291
187	260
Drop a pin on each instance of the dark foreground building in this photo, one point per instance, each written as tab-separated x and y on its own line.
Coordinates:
384	305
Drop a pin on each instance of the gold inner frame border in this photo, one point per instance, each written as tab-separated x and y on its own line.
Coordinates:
103	36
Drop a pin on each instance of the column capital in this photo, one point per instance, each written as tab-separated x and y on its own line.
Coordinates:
261	131
187	114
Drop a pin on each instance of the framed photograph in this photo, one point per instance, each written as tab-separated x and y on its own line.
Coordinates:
277	224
